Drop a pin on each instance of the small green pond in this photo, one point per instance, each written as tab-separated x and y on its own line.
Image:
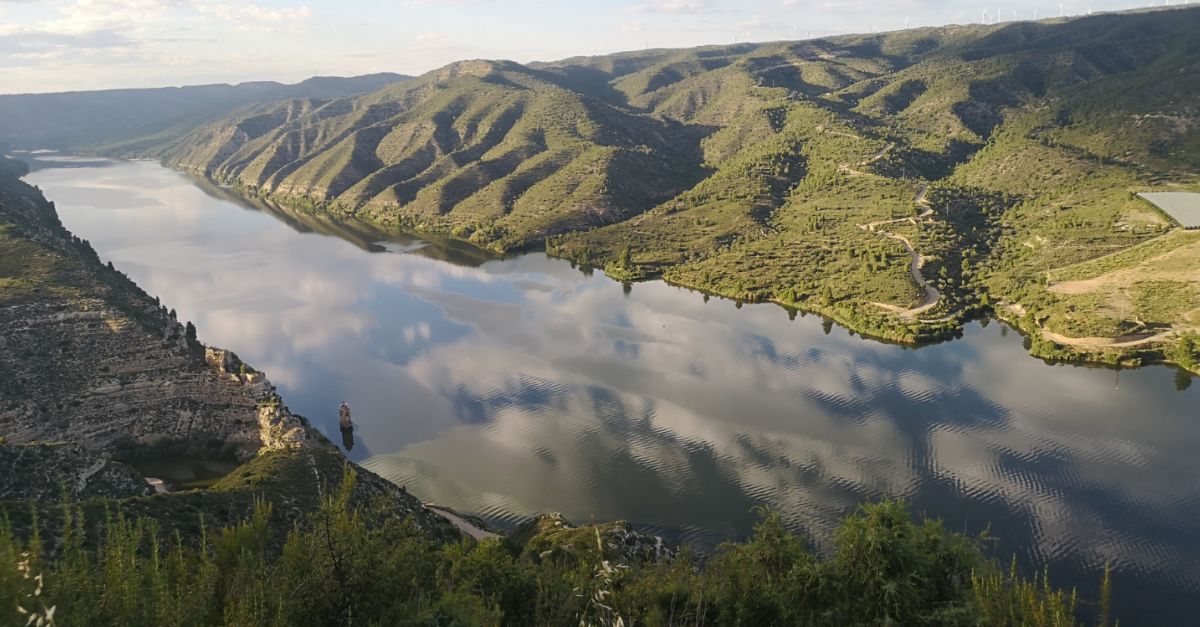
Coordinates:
181	472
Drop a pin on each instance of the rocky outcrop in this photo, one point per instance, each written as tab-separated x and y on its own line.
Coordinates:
550	534
91	359
278	428
93	363
83	371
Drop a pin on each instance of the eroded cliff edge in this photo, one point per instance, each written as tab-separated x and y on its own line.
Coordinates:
97	372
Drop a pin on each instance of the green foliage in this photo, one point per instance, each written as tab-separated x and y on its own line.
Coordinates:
785	171
1186	352
623	267
335	567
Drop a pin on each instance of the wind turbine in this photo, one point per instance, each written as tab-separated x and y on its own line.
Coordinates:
984	18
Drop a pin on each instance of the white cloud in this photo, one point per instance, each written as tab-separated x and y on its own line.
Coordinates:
32	43
84	16
255	18
82	26
432	38
48	45
673	6
43	46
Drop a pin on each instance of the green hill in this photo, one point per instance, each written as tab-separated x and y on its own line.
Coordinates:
899	183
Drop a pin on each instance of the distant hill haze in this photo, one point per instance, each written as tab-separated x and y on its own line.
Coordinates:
71	119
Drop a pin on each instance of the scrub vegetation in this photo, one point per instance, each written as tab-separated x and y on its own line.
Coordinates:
817	174
347	564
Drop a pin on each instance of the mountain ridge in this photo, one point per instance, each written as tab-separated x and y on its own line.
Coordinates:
847	176
75	119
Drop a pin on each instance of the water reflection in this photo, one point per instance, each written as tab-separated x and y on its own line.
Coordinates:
365	236
511	387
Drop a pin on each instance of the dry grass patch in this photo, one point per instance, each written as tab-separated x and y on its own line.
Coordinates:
1156	284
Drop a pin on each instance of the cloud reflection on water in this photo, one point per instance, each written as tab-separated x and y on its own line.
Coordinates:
520	386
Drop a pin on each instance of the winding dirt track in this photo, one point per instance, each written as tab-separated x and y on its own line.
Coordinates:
1128	341
1107	342
932	296
848	168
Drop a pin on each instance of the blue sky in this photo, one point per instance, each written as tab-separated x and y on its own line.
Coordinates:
52	45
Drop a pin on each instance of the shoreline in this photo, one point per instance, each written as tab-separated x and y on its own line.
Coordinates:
930	333
898	330
464	524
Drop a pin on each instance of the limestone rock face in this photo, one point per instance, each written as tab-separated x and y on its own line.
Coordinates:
84	372
92	368
90	358
278	428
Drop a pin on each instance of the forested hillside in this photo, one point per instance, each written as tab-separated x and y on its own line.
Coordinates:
899	183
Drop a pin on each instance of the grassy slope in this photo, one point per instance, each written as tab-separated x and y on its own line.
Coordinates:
786	171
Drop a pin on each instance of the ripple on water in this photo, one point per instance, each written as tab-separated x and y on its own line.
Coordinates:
842	405
793	362
967	426
916	387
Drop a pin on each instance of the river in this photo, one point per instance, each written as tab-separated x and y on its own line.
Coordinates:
510	387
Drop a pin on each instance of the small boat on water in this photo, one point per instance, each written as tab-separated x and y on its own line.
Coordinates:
344	420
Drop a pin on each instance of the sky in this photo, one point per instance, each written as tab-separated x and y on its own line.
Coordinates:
58	45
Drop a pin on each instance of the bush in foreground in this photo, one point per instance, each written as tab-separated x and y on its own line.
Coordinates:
348	566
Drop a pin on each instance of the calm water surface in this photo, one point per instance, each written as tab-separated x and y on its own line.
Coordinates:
512	387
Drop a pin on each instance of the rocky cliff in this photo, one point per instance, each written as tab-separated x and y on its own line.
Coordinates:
96	371
91	359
